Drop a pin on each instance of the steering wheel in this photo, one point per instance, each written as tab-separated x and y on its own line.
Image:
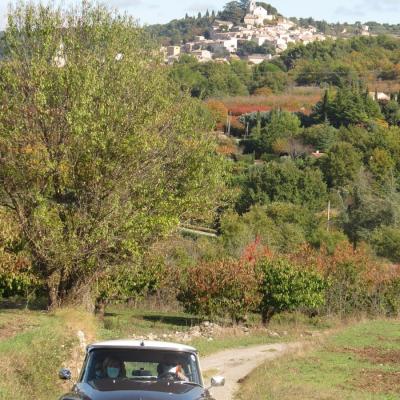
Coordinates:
168	374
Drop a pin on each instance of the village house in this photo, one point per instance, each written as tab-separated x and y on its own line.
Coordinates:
173	51
258	58
202	55
259	26
257	15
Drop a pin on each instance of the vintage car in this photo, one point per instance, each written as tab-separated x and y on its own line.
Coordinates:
139	370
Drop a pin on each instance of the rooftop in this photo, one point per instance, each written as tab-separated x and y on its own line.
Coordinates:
142	344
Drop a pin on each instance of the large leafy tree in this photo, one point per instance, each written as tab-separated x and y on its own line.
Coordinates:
342	164
234	11
100	154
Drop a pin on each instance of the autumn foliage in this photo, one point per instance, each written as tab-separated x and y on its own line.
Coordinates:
220	289
344	282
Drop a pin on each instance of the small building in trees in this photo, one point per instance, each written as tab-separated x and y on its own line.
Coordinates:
257	15
173	51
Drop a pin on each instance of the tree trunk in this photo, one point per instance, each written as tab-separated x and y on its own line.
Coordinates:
100	307
53	285
267	314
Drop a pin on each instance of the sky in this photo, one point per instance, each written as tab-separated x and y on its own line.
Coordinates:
161	11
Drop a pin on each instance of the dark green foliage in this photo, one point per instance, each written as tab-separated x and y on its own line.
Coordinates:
269	75
341	164
351	105
283	182
278	125
391	111
182	30
287	287
250	47
320	137
386	242
234	11
336	61
210	79
366	212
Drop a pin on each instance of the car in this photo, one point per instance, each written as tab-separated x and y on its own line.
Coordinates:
140	370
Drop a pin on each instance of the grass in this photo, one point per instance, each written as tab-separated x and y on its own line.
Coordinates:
361	362
33	347
122	322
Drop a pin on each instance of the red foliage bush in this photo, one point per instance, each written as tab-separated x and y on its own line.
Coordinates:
240	109
220	289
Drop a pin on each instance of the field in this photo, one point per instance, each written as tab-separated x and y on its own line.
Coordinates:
361	362
295	99
34	345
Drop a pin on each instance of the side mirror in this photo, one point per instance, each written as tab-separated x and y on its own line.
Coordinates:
65	374
217	381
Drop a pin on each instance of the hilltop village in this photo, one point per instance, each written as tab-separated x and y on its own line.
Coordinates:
272	32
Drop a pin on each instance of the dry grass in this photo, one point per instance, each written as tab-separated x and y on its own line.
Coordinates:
384	86
295	99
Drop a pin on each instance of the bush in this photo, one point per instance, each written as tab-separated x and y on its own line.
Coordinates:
287	287
218	111
391	294
386	243
220	289
358	283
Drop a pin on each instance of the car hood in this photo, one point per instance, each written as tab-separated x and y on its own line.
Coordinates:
141	391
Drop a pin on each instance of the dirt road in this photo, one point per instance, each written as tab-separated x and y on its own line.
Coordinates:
236	364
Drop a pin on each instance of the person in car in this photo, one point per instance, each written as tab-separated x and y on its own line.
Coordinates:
165	369
113	368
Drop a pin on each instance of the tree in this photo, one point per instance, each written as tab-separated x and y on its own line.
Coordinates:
107	155
366	212
282	182
287	287
341	165
382	167
282	125
234	11
391	111
350	106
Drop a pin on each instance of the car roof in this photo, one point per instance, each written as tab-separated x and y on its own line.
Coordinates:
141	344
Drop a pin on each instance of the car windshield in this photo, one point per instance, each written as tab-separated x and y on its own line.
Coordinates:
119	369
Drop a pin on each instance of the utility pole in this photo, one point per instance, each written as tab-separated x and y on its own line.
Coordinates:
229	124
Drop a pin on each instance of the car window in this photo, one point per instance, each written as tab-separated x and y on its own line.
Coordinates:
139	365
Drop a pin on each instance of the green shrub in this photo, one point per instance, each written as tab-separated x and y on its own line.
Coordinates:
286	287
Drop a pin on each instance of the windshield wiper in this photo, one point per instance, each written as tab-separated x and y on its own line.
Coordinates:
188	383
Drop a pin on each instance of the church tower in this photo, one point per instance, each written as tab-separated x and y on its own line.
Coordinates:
252	6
